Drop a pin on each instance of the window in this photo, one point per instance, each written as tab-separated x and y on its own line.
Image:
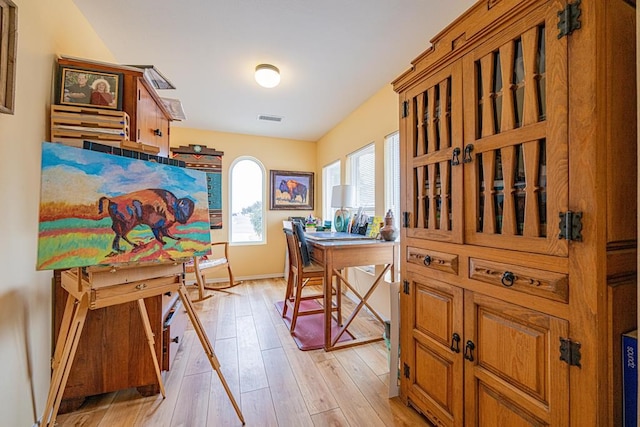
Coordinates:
362	171
247	192
330	177
392	176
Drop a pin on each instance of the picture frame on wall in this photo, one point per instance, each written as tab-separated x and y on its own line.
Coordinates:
89	88
291	190
8	53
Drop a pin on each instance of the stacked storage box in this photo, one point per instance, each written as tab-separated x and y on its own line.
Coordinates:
73	125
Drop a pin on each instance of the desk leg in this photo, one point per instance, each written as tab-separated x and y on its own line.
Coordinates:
326	289
149	333
73	321
363	302
208	348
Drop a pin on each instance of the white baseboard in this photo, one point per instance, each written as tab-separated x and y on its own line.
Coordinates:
239	278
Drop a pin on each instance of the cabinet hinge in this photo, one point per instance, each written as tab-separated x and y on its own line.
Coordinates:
405	287
570	352
405	109
407	371
569	19
405	219
570	226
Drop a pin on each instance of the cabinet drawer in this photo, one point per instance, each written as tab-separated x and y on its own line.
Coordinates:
546	284
173	331
432	259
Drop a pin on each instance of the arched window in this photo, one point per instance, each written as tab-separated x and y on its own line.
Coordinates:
246	196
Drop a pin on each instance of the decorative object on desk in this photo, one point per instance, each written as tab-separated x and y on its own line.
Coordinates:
208	160
373	227
8	52
359	223
389	232
98	208
99	89
343	198
291	190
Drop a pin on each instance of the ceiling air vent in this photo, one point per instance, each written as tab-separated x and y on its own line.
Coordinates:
267	118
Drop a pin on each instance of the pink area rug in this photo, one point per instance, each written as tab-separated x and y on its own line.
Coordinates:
309	332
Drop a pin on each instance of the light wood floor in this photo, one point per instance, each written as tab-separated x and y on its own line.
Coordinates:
274	383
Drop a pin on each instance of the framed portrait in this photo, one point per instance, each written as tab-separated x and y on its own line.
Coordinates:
89	88
291	190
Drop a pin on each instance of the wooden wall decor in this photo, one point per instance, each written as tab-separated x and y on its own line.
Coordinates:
8	49
208	160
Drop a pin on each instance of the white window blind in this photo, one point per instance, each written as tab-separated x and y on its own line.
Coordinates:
362	171
330	178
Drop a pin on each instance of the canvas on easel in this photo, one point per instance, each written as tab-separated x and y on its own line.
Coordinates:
98	208
121	228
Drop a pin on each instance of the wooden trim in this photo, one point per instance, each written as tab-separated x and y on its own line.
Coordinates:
8	51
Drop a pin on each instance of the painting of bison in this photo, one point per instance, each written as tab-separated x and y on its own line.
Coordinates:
103	209
291	190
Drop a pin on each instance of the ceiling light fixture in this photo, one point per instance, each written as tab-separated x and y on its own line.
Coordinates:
267	75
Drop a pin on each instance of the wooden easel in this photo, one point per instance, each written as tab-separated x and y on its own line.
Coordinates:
84	297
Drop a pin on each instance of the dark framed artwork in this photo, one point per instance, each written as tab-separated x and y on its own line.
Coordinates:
210	161
291	190
84	87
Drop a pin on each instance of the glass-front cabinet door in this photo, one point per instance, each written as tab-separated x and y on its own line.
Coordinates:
515	137
432	157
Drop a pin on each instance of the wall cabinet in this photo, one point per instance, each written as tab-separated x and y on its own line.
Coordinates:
153	124
149	118
518	152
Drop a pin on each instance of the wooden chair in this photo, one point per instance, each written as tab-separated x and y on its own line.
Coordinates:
201	266
300	275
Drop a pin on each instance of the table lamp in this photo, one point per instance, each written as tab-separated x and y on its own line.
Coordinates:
342	197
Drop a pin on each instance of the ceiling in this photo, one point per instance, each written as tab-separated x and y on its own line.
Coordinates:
332	54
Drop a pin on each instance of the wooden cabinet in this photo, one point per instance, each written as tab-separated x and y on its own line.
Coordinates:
113	353
149	118
153	123
518	152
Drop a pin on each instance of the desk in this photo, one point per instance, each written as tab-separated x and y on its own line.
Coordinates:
336	255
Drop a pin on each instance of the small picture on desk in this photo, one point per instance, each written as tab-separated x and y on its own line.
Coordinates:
291	190
89	88
103	209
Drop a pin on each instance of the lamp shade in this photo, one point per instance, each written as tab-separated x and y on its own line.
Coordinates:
343	196
267	75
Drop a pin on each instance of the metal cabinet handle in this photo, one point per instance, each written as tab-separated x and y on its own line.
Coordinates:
427	260
508	278
467	153
455	343
468	351
455	161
